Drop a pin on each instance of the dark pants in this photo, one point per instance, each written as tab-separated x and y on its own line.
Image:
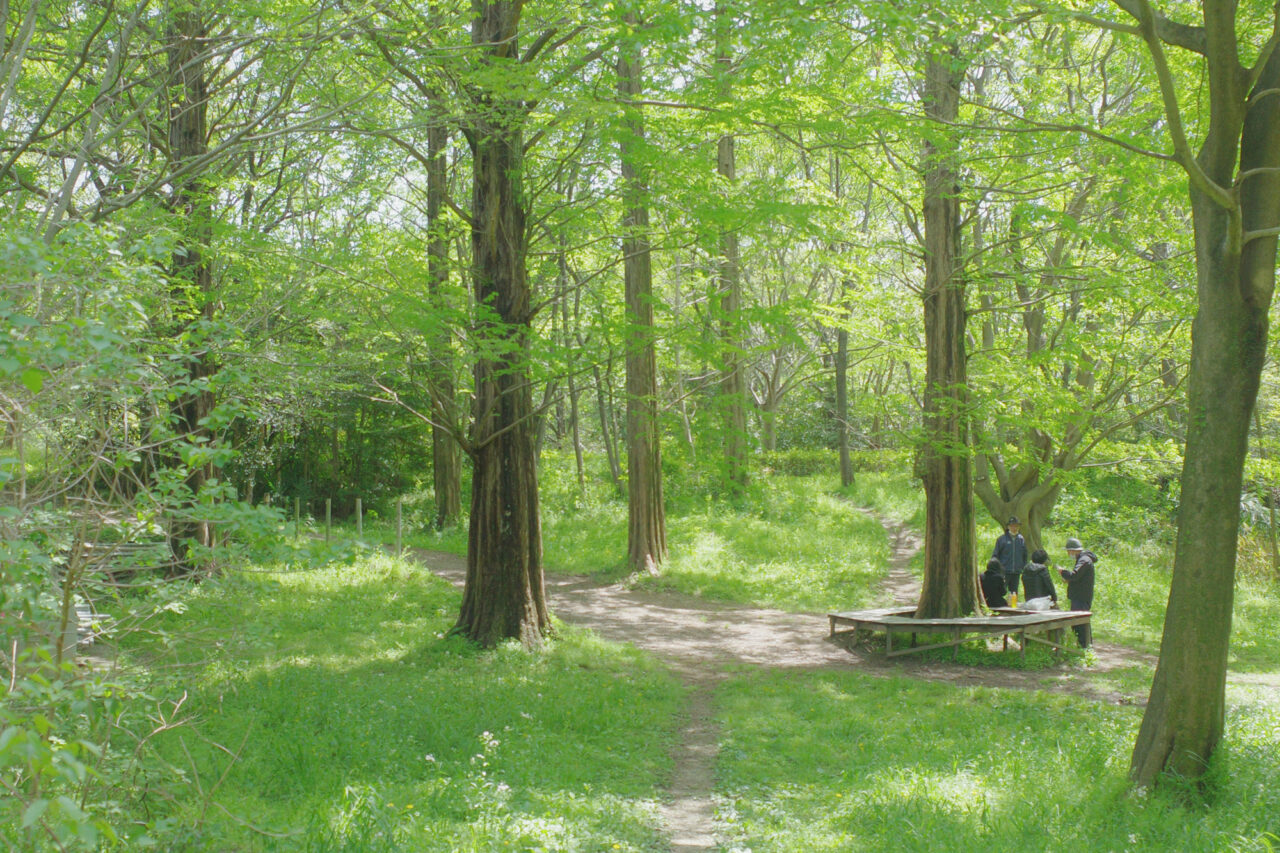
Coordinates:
1011	583
1084	633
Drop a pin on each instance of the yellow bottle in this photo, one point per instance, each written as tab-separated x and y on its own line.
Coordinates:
1013	599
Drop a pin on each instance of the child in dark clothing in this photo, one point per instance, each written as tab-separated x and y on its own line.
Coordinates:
1036	578
993	587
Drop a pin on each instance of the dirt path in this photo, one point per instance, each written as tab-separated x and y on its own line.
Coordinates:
703	640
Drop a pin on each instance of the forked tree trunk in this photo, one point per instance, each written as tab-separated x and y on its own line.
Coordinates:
503	596
446	462
1024	493
1235	236
950	580
192	301
646	524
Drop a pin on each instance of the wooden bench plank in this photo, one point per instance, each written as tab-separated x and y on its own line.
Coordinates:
1006	622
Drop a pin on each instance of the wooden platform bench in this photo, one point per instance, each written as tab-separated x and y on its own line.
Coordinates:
1026	625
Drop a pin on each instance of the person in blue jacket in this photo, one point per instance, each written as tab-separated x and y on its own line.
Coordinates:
1011	551
1079	580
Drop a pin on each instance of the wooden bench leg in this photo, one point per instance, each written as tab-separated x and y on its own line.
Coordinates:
888	640
955	650
1022	640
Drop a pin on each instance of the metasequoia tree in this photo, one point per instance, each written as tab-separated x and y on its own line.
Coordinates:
646	527
504	595
193	300
733	387
1234	185
950	582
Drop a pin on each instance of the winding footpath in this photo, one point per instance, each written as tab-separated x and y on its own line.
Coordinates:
702	641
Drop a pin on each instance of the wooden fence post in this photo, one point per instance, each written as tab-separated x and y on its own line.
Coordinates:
297	517
399	527
328	518
359	518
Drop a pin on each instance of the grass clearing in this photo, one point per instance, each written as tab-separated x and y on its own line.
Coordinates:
793	544
830	761
359	726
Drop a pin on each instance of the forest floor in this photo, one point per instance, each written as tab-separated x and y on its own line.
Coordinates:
705	642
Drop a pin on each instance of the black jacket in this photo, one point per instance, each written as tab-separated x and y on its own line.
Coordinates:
1080	581
1038	582
1011	551
993	588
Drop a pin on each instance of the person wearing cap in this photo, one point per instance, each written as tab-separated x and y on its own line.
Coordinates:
1079	580
1011	551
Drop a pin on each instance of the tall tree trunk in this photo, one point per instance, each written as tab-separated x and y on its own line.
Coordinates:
769	425
950	581
1236	215
682	387
445	458
606	429
504	595
574	391
733	386
192	279
646	515
842	395
1270	495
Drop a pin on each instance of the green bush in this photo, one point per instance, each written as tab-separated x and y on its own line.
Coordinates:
801	462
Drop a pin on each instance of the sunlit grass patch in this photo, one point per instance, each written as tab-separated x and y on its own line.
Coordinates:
896	495
791	544
355	723
839	761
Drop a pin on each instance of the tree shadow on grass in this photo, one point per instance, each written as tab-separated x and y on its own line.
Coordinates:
835	761
345	706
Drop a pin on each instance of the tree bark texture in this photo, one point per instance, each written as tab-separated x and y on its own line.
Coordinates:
646	524
192	279
1183	722
733	385
950	586
504	595
446	462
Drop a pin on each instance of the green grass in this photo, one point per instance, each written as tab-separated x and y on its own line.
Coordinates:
840	761
358	726
893	494
792	543
325	709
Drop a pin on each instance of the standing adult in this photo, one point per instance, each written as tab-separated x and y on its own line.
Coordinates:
1011	551
1079	580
